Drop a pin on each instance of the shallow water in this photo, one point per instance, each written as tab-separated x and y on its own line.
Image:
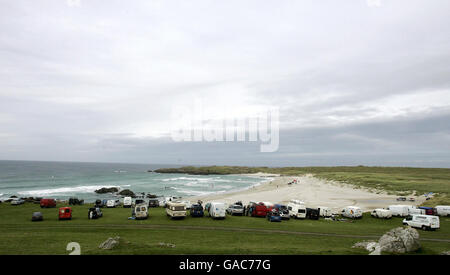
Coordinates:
62	180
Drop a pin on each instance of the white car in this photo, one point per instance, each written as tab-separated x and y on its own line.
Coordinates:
17	201
425	222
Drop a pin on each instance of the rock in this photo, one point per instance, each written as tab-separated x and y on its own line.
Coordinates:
368	245
127	193
171	245
445	253
107	190
151	196
110	243
400	240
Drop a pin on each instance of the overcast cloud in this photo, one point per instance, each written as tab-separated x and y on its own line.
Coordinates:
356	82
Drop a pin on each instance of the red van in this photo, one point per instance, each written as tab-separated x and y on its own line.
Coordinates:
48	203
65	213
258	210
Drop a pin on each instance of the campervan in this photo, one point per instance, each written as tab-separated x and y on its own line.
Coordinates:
297	209
65	213
352	212
399	210
175	209
217	210
381	213
443	210
127	202
426	222
141	211
325	212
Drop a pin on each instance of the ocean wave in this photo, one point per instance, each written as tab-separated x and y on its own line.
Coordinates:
64	190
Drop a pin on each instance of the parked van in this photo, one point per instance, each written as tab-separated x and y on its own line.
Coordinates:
443	210
110	204
352	212
313	213
412	210
141	211
399	210
381	213
217	210
426	222
429	210
175	209
65	213
127	202
47	203
325	212
297	209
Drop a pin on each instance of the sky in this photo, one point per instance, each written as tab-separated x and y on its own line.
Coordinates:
358	82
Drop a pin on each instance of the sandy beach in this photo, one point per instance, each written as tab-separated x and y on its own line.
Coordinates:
313	191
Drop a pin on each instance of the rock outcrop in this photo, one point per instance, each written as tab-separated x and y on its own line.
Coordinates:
105	190
398	240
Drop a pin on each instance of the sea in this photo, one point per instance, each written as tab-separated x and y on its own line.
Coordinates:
63	180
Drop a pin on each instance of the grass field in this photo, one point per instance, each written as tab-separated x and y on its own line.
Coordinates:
234	235
395	180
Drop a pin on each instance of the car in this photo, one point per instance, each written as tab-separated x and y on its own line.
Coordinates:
401	199
37	216
425	222
153	203
197	210
283	210
274	215
17	201
235	209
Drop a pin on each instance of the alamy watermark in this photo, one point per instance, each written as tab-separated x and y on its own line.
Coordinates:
195	124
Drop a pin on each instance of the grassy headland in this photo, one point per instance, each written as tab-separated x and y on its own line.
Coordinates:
233	235
395	180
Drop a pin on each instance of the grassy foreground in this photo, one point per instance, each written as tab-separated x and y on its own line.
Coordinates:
234	235
396	180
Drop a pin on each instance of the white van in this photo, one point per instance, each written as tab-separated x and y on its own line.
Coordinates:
352	212
217	210
141	211
127	201
297	210
413	210
325	212
443	210
175	209
381	213
426	222
399	210
111	203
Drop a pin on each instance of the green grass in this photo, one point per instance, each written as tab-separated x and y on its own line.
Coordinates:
395	180
234	235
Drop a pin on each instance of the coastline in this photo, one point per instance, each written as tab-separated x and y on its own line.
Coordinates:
313	191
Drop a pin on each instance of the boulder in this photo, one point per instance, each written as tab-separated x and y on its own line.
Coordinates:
151	196
400	240
110	243
445	253
105	190
127	193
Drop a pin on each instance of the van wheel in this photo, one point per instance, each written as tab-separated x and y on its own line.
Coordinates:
424	227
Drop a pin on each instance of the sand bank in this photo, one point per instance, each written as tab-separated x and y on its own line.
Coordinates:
313	191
